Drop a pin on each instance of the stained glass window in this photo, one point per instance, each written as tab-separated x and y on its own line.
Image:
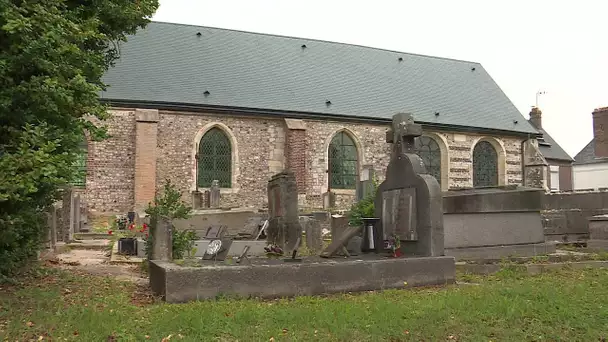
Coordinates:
485	165
214	159
342	162
428	150
80	167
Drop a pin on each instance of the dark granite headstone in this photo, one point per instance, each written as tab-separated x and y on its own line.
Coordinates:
283	225
409	201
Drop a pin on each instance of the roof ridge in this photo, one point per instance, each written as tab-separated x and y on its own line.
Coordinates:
318	40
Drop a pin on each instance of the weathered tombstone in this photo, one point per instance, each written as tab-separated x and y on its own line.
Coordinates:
197	199
409	202
214	194
284	228
338	243
365	186
329	200
162	239
53	227
339	223
76	214
312	228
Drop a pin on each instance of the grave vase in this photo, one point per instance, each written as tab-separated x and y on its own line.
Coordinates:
370	235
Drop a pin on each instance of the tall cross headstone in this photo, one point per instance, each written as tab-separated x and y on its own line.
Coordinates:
409	202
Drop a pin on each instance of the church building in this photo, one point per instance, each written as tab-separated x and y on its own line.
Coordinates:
196	104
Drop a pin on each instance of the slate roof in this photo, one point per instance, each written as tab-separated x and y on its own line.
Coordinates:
551	149
587	155
172	63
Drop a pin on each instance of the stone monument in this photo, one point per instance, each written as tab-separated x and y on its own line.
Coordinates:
284	228
409	201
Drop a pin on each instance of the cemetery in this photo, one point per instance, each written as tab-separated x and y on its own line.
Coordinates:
415	236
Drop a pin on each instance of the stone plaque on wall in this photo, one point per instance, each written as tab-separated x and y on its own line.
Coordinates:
399	213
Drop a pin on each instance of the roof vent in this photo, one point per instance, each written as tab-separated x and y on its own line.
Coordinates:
515	122
436	113
206	93
199	34
328	103
303	46
473	69
400	59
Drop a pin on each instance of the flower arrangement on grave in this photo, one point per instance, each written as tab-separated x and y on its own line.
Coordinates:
132	231
273	251
394	244
120	222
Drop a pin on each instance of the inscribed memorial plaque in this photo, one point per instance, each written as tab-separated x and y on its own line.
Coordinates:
399	213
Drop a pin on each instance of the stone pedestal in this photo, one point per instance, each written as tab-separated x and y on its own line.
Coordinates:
329	200
162	240
536	168
283	225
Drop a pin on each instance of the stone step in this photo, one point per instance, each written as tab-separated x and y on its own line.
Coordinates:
89	244
90	236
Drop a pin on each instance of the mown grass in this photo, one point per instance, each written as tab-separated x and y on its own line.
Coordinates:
564	306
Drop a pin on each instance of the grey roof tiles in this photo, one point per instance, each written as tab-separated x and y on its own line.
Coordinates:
172	63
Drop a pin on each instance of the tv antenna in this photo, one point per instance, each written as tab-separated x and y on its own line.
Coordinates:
538	94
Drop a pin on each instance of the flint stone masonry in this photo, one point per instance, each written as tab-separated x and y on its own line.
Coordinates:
178	284
261	148
110	184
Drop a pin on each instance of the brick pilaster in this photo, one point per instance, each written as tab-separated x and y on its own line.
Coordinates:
295	151
146	130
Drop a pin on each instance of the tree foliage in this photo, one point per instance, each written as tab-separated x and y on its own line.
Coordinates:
53	54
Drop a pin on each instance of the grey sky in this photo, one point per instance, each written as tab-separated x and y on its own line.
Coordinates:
557	46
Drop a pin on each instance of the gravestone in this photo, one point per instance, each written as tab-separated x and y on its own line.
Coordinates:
314	238
283	224
409	202
214	194
162	239
365	186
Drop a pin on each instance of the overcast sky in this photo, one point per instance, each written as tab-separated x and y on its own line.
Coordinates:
557	46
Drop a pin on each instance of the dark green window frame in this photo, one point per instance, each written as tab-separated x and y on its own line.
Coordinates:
485	165
214	159
428	150
343	162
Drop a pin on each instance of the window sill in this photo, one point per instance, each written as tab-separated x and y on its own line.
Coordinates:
351	192
223	191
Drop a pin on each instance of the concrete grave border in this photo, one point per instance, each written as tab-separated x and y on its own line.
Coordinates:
178	284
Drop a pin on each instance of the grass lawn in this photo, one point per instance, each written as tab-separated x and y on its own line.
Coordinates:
66	306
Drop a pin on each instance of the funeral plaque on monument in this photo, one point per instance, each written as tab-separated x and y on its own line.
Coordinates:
399	213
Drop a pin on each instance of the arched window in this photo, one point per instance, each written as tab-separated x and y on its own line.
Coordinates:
214	159
428	150
485	165
342	162
80	166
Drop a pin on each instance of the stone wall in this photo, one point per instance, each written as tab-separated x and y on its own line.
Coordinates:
565	214
255	142
259	150
111	166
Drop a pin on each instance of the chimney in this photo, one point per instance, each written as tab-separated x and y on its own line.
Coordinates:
600	125
536	118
